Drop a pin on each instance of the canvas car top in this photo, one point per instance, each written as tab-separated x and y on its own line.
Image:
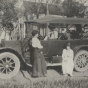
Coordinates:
57	19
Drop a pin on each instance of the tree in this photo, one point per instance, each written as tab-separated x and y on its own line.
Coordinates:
35	7
73	8
9	14
8	8
38	7
54	7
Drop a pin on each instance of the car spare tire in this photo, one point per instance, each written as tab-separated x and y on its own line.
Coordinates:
81	60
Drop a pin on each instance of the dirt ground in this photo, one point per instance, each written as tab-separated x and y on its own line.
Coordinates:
23	77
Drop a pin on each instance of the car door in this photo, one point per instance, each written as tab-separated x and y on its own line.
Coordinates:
45	45
55	47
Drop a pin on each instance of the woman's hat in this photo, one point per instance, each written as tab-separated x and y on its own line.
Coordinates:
68	44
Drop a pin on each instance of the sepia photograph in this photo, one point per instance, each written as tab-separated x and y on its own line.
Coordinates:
43	43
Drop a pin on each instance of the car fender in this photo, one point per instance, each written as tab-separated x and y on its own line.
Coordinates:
80	47
9	49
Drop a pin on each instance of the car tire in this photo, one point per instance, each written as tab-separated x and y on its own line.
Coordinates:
81	61
9	65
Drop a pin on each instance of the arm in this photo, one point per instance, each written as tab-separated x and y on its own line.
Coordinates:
63	54
46	38
72	55
64	57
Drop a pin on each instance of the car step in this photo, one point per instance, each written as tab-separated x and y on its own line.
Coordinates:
54	64
48	64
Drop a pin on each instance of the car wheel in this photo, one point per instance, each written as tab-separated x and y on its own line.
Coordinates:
9	65
81	61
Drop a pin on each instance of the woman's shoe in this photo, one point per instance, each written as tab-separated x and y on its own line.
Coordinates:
40	75
65	75
34	76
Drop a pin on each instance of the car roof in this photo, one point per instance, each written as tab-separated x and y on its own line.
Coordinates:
58	19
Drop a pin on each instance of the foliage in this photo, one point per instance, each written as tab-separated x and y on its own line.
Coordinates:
74	8
9	13
38	7
35	7
69	8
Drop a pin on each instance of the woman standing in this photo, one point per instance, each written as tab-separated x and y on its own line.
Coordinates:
67	60
39	65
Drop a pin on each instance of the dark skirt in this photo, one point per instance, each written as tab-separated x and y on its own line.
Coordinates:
39	65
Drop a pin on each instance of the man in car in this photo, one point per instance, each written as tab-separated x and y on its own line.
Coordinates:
53	34
65	35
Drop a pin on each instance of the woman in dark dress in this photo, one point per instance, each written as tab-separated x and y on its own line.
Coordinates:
39	65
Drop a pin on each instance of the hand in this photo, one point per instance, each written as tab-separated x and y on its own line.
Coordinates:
40	47
27	49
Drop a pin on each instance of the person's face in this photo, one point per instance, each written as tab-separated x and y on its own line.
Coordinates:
35	28
68	47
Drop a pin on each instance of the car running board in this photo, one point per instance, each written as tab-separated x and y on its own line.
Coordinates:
54	64
48	64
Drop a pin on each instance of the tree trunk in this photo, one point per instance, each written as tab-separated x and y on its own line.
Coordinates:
5	34
10	35
37	15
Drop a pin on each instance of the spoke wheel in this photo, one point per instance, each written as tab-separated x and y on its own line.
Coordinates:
81	61
9	65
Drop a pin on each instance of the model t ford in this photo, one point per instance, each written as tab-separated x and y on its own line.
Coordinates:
13	54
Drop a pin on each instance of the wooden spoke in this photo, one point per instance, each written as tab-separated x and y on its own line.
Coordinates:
2	61
9	60
6	71
12	67
9	69
3	70
6	59
1	64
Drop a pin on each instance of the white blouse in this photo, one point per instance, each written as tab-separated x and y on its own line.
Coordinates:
68	54
54	35
36	43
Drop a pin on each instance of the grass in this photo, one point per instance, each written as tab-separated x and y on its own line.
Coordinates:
47	82
63	83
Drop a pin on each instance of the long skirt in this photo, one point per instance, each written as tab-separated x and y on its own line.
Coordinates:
39	65
67	66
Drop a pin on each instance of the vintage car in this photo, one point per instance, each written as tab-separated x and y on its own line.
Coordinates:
13	54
